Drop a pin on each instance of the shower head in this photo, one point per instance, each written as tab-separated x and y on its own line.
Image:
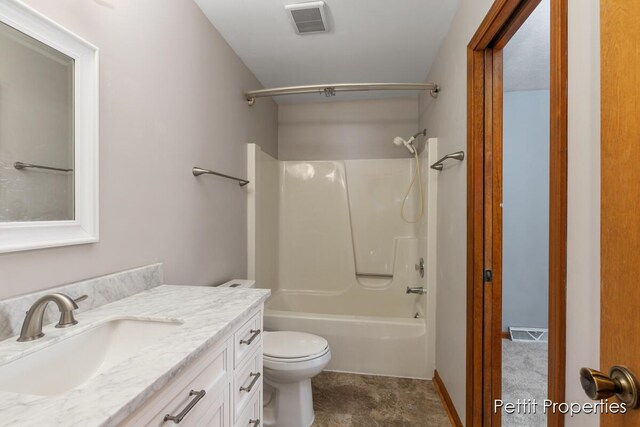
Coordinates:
399	142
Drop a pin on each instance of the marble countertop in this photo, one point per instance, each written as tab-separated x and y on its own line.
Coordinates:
207	315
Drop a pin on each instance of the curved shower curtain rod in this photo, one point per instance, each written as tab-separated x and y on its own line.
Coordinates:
331	89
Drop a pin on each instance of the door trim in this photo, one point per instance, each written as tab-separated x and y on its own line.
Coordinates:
484	140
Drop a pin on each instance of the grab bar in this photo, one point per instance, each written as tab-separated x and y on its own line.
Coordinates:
458	155
200	171
390	276
20	165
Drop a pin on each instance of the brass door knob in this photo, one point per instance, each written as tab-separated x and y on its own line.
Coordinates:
620	382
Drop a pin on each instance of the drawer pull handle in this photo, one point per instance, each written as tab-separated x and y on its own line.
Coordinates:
254	335
256	377
177	418
254	423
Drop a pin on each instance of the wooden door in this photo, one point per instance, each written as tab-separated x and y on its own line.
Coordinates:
620	217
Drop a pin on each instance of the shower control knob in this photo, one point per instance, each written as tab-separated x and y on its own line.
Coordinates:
420	267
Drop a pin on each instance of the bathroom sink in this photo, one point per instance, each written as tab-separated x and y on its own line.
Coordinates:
69	363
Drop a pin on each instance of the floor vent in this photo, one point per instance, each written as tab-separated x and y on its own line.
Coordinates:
529	334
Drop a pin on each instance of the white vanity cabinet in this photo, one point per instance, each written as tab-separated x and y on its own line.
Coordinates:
223	387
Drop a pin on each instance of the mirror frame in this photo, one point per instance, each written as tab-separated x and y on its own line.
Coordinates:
20	236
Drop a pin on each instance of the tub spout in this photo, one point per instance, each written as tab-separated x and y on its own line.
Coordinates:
419	290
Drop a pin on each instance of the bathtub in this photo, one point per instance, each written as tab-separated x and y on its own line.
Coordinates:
369	332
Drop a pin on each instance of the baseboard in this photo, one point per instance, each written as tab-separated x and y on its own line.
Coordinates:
338	371
446	400
506	335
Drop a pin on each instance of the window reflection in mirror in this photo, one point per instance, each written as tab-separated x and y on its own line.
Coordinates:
36	130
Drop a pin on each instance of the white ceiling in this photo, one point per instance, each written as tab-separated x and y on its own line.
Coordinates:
526	56
369	41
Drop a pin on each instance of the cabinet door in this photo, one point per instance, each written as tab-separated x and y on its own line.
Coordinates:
218	414
209	375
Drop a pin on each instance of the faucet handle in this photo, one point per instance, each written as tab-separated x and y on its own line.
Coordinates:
81	298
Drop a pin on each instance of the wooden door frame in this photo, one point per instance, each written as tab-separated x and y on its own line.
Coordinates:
484	177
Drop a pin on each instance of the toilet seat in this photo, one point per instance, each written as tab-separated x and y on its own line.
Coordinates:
289	346
296	359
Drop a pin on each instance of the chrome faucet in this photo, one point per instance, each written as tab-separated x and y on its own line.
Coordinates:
419	290
32	326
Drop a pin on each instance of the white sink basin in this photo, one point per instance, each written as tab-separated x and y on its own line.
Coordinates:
69	363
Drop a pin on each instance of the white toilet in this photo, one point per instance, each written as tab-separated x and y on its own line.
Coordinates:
291	359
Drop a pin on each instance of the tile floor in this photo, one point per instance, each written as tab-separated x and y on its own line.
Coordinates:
348	400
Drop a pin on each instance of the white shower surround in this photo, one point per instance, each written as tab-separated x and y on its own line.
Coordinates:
301	246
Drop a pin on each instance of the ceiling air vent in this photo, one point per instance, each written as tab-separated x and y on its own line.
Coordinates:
308	17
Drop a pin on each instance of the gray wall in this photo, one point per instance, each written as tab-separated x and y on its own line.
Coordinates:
446	119
343	130
170	99
583	210
525	198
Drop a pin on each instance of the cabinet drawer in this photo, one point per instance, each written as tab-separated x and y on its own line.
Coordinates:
250	417
210	374
247	338
246	382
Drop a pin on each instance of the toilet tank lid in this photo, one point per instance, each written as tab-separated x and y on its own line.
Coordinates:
290	345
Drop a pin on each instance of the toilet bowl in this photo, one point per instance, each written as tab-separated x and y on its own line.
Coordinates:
290	360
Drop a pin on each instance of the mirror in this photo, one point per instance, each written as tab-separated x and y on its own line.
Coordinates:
48	133
36	130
